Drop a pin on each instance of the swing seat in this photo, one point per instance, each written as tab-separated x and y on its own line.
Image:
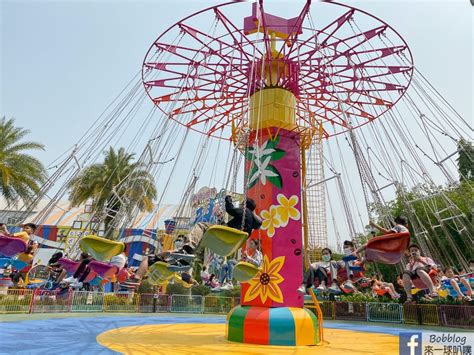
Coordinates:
177	256
224	240
446	286
347	288
100	248
420	285
10	246
244	271
69	265
94	281
379	291
122	275
183	283
16	264
104	270
91	277
159	272
388	248
349	258
179	268
363	282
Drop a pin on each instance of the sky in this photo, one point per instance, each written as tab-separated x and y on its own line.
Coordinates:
62	62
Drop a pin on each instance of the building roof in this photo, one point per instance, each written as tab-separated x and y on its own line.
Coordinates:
63	215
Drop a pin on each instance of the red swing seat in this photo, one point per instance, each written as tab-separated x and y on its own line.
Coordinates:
418	283
379	291
356	275
388	248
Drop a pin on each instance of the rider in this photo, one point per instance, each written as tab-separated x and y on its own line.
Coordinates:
250	222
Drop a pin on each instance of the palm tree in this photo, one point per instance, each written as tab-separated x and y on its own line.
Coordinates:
21	175
116	183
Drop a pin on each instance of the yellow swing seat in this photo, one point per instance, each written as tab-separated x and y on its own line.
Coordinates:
179	280
100	248
158	273
224	240
245	271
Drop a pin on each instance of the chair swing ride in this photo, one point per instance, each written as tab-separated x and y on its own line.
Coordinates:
288	97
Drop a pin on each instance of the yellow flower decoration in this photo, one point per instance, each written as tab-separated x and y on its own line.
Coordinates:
287	209
271	220
265	284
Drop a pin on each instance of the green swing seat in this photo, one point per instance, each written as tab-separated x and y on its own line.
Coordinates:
100	248
244	271
224	240
159	273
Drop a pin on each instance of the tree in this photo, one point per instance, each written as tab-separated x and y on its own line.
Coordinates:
465	160
21	175
113	183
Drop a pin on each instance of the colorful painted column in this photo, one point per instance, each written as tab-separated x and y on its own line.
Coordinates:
271	310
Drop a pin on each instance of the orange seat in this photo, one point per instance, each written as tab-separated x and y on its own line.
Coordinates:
388	248
379	291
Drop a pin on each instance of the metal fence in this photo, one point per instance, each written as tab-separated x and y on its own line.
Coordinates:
422	314
122	302
152	303
51	301
187	304
384	312
41	301
217	304
84	301
16	301
350	311
327	308
457	316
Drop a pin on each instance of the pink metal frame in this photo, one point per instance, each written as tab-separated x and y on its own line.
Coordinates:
340	79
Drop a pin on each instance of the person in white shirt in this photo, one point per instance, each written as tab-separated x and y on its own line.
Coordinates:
255	256
418	267
119	260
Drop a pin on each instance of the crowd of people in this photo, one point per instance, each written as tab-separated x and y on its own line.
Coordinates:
421	275
326	276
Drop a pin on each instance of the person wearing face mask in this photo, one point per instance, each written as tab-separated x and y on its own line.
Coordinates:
324	271
418	267
348	248
178	244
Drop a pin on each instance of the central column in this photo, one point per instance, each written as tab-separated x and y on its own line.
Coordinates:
271	310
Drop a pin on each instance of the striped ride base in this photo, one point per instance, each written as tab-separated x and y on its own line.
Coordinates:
285	326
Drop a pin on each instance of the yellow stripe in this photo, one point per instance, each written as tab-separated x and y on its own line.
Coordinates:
304	327
73	214
138	219
156	217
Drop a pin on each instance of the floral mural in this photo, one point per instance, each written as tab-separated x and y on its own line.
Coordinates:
261	157
279	215
265	283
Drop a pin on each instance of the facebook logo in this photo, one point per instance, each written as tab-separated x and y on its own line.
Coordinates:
410	343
